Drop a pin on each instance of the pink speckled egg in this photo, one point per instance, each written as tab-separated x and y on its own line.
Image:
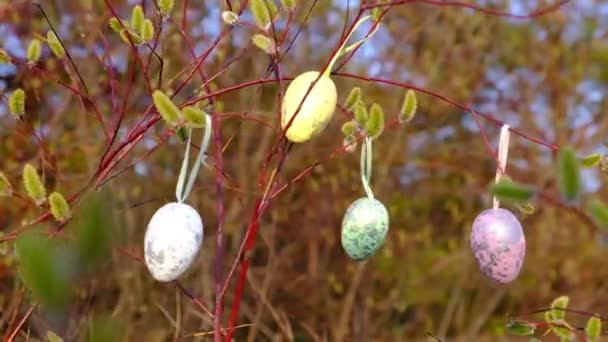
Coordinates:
499	244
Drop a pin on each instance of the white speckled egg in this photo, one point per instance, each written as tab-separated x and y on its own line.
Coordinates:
499	244
364	228
317	109
172	240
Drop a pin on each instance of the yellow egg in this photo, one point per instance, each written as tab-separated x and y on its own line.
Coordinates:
317	109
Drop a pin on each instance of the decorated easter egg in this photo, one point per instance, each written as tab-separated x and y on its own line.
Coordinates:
172	240
499	244
364	228
316	110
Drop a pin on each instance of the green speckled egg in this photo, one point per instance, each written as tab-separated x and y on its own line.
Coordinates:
364	228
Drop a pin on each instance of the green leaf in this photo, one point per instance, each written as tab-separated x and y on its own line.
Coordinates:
33	51
137	19
230	18
182	134
353	98
194	116
349	128
593	329
375	124
569	177
521	328
147	31
409	106
4	57
263	43
558	307
361	114
167	109
115	25
44	269
6	189
33	185
599	212
512	192
166	6
263	12
16	103
591	160
60	208
95	229
55	44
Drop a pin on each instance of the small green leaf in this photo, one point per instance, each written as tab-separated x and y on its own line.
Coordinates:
599	212
375	124
137	19
34	51
558	307
353	98
55	44
526	208
263	12
95	229
147	31
33	185
549	316
349	128
521	328
591	160
194	117
16	103
361	114
409	106
289	4
4	57
230	18
115	25
593	329
509	191
167	109
44	269
263	43
6	189
166	6
182	134
569	177
60	209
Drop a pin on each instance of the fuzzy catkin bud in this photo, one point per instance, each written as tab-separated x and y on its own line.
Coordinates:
147	32
16	103
34	51
137	18
55	44
408	109
166	6
33	185
375	123
59	207
167	109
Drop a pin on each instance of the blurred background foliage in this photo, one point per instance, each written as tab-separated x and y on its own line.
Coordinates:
546	77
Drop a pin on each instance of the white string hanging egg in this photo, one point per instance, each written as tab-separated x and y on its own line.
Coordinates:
175	232
497	238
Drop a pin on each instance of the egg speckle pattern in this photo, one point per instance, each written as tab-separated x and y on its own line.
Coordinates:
316	110
499	244
172	240
364	228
